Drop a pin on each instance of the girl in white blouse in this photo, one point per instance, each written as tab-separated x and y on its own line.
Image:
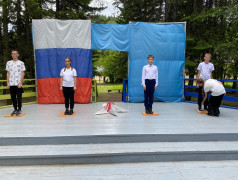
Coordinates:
68	85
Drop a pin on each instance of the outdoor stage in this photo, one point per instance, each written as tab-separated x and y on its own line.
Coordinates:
174	118
179	143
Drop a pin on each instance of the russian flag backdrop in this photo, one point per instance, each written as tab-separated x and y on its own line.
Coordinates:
54	40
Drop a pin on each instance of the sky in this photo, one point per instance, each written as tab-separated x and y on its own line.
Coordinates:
109	11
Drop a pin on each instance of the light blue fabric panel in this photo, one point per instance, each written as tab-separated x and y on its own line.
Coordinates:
165	42
110	37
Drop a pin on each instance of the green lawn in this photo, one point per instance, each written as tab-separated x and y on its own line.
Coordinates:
105	87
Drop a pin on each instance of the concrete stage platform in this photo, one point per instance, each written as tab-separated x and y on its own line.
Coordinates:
177	144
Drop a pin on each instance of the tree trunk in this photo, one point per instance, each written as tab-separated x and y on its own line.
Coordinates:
18	21
27	23
5	33
57	9
167	9
5	21
112	79
1	46
175	10
195	7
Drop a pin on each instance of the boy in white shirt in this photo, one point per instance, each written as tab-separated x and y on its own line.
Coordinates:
15	75
150	83
204	72
217	92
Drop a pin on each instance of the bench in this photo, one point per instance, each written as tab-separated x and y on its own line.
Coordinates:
110	90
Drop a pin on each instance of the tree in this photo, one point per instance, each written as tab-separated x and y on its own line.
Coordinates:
137	10
16	18
5	21
211	28
114	65
75	9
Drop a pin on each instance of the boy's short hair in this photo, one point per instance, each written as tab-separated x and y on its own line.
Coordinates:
15	50
207	54
200	81
150	56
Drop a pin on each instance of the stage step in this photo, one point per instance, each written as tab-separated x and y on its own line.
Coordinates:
114	138
118	153
199	170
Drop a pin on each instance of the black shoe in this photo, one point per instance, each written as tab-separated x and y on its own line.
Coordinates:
206	109
150	110
18	112
14	113
66	112
217	115
147	111
200	109
71	112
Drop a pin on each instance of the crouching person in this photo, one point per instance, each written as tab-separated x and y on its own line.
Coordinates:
217	92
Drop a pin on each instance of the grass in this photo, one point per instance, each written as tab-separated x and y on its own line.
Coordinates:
105	87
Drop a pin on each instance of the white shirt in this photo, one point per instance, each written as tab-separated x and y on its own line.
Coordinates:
68	77
150	72
15	69
205	70
214	86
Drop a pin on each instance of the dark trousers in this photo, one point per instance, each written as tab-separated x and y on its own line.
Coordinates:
200	98
69	95
214	104
149	93
16	97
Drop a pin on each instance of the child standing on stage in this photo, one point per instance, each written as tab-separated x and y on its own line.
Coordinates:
68	85
15	75
204	72
150	83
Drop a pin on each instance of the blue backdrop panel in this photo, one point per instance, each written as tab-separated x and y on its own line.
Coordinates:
110	37
165	42
49	62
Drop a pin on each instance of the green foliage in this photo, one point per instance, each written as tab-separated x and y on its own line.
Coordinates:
15	25
212	26
113	65
104	19
136	10
105	88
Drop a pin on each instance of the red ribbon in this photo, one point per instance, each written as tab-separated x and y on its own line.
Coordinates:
108	106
